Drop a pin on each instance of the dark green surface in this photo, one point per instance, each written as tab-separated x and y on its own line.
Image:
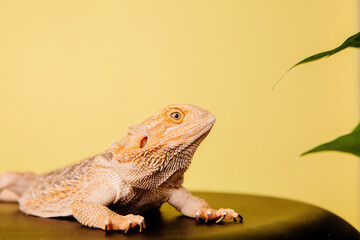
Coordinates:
264	218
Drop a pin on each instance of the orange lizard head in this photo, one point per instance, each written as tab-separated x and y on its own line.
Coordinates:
173	133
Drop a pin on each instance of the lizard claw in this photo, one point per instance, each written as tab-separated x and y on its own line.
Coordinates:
222	218
197	216
143	223
107	226
127	229
208	215
125	223
240	218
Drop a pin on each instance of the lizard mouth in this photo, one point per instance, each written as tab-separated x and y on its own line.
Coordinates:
197	142
194	144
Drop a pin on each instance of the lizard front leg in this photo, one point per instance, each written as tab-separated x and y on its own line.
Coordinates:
89	208
99	216
195	207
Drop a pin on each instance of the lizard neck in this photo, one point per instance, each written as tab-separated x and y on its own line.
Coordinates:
148	173
150	169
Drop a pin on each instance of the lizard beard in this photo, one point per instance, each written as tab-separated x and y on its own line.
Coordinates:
156	168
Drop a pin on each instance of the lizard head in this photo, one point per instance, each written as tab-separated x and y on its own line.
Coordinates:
166	140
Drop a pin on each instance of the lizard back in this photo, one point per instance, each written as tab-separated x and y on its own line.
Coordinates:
50	194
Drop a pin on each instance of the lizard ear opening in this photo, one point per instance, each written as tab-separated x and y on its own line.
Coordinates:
143	142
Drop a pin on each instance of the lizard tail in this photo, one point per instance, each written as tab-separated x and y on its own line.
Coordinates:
14	184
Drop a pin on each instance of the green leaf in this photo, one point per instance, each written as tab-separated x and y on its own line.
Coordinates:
349	143
357	128
353	41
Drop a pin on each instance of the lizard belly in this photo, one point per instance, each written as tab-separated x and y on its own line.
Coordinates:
146	200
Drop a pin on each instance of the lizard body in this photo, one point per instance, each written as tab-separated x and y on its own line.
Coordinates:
142	171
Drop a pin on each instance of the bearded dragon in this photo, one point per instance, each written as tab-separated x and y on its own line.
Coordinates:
143	170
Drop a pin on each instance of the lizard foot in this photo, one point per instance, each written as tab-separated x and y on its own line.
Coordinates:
218	215
125	223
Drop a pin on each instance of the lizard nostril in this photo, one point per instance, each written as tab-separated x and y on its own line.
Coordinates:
143	142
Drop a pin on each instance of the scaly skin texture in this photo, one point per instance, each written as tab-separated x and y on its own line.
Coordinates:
142	171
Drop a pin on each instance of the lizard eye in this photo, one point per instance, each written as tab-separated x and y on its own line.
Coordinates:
175	115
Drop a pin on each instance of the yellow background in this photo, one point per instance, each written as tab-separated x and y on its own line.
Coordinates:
75	74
